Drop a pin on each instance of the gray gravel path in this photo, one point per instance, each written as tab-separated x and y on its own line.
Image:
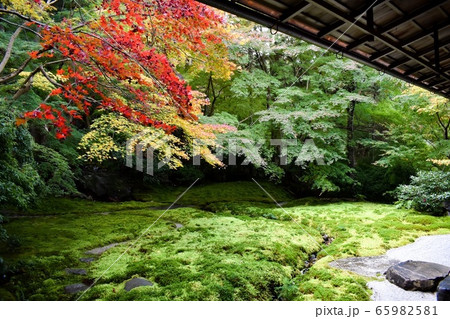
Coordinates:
434	249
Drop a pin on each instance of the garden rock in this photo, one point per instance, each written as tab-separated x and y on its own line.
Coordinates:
76	271
75	288
443	292
87	259
137	282
417	275
100	250
178	225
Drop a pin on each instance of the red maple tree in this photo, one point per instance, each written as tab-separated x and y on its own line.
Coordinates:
120	61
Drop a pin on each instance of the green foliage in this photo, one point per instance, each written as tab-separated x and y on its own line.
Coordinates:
376	183
427	192
20	182
288	290
3	235
54	171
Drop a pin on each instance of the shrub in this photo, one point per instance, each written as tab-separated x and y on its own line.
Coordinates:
55	171
427	192
19	181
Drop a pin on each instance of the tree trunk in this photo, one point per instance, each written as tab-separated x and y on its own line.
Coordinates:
211	92
350	133
268	97
445	127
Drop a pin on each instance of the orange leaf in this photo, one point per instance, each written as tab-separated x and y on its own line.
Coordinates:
34	54
20	121
56	91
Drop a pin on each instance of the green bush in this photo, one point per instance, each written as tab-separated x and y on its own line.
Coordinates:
55	171
427	192
19	181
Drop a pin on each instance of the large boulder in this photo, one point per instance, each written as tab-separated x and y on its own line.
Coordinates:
417	275
443	293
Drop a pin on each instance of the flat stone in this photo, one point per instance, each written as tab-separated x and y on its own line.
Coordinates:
365	266
178	225
385	291
137	282
417	275
100	250
443	290
87	259
76	271
73	289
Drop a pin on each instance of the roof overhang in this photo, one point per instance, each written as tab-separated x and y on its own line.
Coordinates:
406	39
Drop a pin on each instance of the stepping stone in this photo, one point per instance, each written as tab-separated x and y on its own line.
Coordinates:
417	275
137	282
87	260
443	292
100	250
73	289
76	271
178	225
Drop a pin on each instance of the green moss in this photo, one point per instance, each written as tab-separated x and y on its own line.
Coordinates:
246	250
224	192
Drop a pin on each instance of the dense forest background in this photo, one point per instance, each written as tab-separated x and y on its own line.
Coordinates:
248	83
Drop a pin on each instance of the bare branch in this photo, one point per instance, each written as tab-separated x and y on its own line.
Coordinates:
24	17
23	27
439	120
25	87
10	47
16	72
44	73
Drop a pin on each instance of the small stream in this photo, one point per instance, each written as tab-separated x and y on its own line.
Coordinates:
312	258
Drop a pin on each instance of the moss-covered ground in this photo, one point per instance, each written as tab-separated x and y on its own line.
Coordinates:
235	245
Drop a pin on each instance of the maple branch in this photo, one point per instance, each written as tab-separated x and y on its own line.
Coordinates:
21	25
45	74
9	48
439	119
25	87
16	72
127	55
24	17
22	67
